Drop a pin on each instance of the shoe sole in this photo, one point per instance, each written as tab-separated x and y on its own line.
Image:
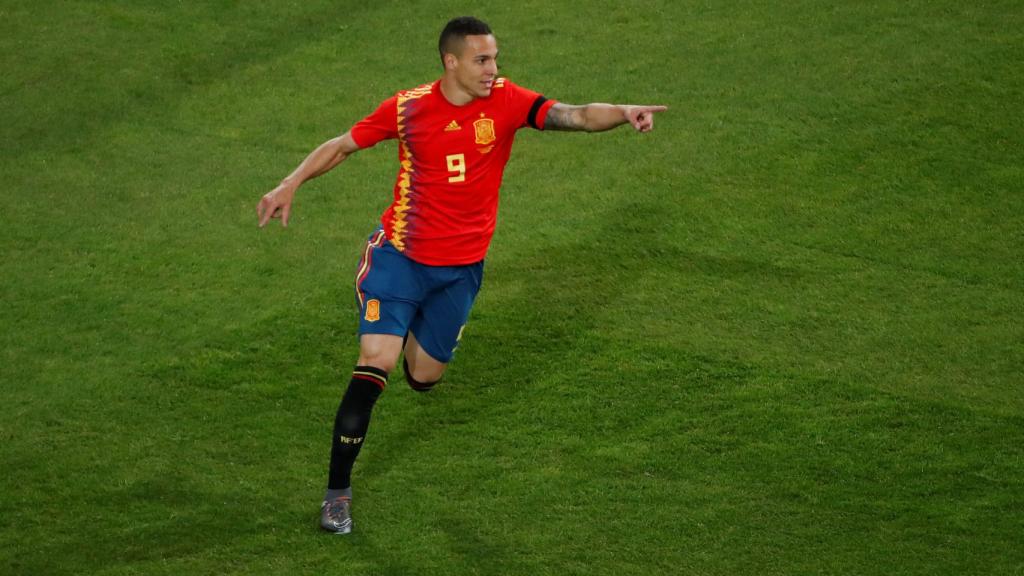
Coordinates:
346	530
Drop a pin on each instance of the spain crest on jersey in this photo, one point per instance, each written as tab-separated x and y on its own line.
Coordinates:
484	131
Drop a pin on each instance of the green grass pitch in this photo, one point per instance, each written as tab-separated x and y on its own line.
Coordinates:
781	334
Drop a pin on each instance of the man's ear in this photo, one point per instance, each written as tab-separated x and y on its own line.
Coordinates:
449	61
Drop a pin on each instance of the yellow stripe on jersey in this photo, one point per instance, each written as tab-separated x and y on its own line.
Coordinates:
399	224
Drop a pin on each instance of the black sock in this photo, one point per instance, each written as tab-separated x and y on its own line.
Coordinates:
352	421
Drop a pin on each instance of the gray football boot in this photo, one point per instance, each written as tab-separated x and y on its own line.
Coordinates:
335	515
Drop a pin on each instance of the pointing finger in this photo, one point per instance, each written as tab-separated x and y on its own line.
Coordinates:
260	209
268	213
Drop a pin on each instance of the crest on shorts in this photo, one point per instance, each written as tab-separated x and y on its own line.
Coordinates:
372	310
484	131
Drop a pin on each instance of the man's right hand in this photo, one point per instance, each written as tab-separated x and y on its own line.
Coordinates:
276	204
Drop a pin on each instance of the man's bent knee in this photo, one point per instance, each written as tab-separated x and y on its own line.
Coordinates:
420	382
422	371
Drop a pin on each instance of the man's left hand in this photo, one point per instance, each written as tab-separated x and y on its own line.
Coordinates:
642	117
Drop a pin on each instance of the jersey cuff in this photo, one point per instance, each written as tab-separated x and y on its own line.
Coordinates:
539	112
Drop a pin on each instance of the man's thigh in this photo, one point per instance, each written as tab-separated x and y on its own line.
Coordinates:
388	292
420	365
442	315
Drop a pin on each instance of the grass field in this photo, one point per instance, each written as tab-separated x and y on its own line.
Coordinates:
781	334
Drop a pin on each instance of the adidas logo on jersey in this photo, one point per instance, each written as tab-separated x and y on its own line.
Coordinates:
452	126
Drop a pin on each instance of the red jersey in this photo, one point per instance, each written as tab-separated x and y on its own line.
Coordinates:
451	159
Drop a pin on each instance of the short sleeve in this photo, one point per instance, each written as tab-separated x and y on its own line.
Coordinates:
530	106
382	124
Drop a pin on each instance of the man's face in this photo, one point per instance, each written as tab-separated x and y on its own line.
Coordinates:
477	66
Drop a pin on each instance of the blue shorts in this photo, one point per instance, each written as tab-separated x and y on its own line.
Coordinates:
397	295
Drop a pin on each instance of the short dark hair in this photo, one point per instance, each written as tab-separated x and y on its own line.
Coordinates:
456	30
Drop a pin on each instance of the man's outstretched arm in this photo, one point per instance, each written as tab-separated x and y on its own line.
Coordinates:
278	202
600	117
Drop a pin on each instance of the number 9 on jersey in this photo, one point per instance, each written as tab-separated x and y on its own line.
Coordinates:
456	163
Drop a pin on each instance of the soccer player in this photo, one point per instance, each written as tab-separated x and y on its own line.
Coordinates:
421	269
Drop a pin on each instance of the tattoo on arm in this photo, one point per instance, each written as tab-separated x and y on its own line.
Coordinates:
565	117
